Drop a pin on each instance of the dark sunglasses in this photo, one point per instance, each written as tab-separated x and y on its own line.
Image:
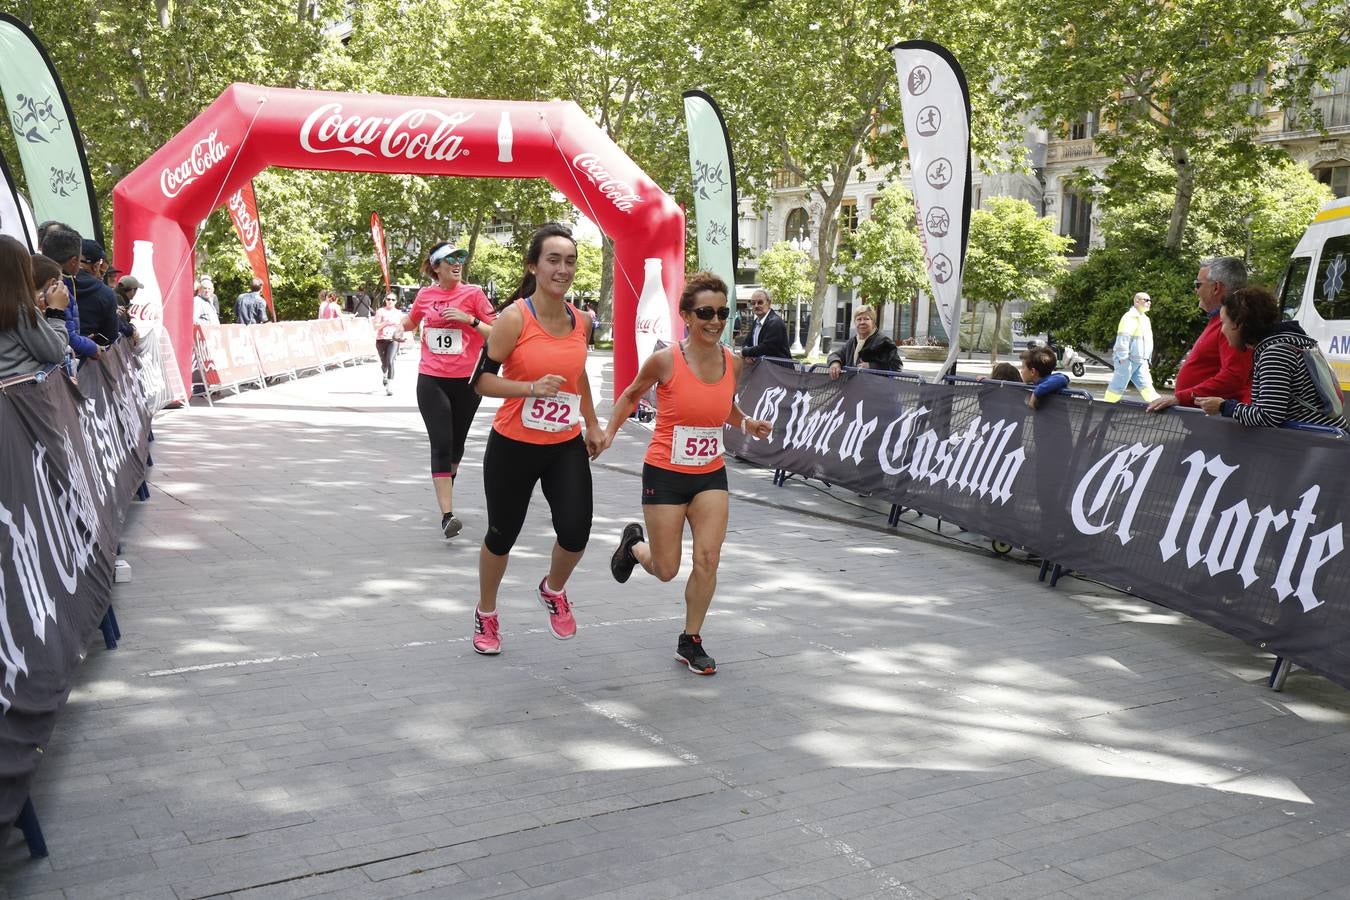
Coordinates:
707	312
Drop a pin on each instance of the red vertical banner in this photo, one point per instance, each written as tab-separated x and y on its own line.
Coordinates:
377	232
243	206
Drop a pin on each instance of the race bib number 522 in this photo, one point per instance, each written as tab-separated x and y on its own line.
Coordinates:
556	413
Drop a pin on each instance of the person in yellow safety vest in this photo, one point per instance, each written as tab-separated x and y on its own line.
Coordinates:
1133	349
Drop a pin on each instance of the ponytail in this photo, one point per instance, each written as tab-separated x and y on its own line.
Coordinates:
532	254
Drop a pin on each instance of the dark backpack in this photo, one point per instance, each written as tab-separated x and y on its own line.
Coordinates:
1330	400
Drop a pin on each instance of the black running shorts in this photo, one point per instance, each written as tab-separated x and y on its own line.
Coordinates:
663	487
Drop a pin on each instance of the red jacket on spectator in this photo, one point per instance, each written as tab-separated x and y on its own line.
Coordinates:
1214	368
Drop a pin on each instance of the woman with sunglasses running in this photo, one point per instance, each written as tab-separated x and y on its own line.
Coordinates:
540	344
684	478
456	319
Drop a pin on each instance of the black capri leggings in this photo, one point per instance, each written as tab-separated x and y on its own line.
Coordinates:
510	470
447	406
388	350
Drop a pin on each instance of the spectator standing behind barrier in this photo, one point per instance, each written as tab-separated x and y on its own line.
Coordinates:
1283	389
867	349
1213	367
250	308
1038	368
1132	352
1004	372
97	302
329	308
125	292
768	334
32	311
202	312
63	245
210	295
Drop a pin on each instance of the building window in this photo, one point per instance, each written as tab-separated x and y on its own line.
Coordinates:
1337	177
1077	221
796	224
1083	127
848	217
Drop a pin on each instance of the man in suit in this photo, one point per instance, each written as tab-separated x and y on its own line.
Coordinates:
768	335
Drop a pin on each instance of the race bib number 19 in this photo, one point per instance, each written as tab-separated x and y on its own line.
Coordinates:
445	341
693	446
557	413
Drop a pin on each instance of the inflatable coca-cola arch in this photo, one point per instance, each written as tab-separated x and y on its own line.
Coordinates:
157	208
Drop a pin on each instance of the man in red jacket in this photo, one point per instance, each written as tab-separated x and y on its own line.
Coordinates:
1213	368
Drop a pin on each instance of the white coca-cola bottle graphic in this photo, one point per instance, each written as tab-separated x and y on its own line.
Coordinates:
149	302
504	138
653	312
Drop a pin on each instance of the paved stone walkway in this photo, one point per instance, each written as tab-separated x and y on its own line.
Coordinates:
295	711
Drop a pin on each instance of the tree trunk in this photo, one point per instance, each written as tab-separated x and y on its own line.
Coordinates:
474	231
1176	229
606	279
998	331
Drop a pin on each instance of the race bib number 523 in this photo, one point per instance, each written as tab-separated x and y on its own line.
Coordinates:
556	413
691	446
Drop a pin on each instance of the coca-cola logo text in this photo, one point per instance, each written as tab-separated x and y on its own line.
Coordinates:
205	154
249	230
621	193
415	134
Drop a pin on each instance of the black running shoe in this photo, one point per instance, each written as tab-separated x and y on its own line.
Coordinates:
451	525
622	562
690	652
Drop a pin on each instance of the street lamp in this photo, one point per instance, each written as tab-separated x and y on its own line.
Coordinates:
800	243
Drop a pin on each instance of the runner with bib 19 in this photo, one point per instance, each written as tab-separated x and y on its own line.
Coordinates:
684	477
456	318
539	344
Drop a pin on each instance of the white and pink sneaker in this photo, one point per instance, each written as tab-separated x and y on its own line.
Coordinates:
560	620
486	639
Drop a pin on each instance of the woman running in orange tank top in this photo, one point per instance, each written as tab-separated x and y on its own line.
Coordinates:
684	477
537	436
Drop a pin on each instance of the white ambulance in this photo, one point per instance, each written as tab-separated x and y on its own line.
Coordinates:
1315	289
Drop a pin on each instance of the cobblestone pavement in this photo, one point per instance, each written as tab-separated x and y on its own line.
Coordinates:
295	710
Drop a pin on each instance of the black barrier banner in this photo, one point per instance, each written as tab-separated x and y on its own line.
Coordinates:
71	457
1241	528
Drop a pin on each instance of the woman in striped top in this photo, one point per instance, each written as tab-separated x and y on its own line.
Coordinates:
1282	389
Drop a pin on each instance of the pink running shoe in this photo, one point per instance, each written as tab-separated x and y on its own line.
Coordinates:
485	637
560	620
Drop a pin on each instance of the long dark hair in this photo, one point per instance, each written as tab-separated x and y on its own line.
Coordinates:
1254	311
17	298
532	254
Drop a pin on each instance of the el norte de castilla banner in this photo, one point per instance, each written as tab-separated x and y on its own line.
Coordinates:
1240	528
72	458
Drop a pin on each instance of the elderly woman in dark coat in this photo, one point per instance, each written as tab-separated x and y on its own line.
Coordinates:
867	349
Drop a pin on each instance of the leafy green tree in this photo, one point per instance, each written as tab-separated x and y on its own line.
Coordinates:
1173	81
811	93
1259	217
884	257
785	273
1013	254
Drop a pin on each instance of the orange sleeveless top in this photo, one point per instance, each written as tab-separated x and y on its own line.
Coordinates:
689	417
544	420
